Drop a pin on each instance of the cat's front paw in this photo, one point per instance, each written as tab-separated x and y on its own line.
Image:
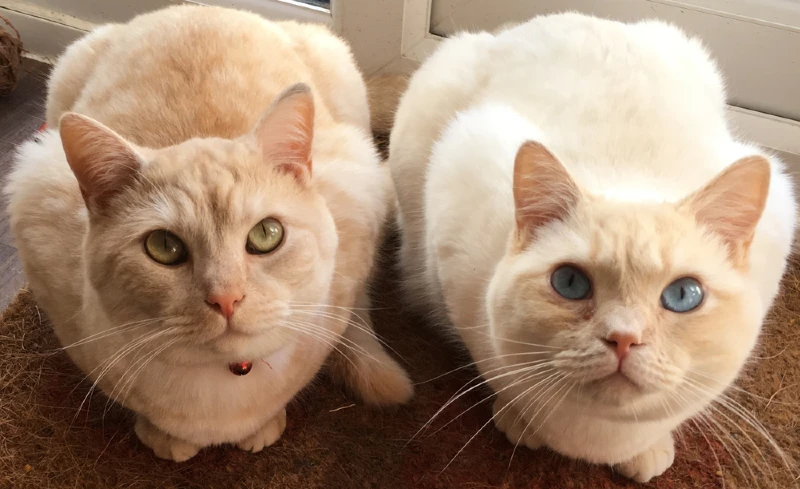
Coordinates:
508	420
163	445
651	463
266	436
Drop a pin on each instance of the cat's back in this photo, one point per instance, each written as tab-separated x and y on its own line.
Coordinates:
625	107
630	109
199	71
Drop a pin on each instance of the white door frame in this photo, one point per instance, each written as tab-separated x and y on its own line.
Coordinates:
407	41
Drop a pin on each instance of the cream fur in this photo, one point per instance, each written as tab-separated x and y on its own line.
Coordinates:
636	115
185	87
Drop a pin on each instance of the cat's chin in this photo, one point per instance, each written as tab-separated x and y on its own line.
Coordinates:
615	390
620	398
236	347
229	348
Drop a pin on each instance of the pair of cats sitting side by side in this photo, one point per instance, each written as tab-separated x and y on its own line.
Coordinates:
573	208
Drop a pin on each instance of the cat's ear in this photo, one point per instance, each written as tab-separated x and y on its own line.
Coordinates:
101	160
731	205
286	131
543	190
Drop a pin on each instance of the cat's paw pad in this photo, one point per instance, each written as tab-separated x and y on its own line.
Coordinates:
266	435
163	445
379	380
508	420
650	463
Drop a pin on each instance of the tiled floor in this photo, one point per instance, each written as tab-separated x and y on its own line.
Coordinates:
21	114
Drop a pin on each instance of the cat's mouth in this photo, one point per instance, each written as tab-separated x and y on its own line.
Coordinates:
613	391
237	345
237	333
620	378
608	377
616	386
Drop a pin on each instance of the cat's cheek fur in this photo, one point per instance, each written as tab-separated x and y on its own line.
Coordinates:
127	281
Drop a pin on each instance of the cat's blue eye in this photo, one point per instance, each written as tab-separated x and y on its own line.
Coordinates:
571	283
682	295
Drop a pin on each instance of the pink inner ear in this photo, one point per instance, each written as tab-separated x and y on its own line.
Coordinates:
543	190
732	204
103	163
286	131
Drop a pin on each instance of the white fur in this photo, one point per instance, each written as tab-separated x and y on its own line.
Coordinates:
636	114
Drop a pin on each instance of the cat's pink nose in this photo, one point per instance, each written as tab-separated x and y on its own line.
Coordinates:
225	303
621	343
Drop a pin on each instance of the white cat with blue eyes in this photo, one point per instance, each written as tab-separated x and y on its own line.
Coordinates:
575	208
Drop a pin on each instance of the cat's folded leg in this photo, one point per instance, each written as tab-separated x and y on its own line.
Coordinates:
364	367
266	435
507	419
164	445
651	463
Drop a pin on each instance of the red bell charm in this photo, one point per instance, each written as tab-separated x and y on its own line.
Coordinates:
240	368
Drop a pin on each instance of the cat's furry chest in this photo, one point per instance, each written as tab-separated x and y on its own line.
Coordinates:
206	401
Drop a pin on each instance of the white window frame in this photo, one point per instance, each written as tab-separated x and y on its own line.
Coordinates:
279	9
407	41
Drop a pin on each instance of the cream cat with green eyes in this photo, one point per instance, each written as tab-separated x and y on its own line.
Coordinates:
199	234
575	206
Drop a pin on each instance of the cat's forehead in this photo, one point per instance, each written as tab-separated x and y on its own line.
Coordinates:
638	239
203	163
212	183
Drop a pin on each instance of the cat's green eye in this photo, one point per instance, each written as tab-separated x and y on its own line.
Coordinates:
265	237
165	248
